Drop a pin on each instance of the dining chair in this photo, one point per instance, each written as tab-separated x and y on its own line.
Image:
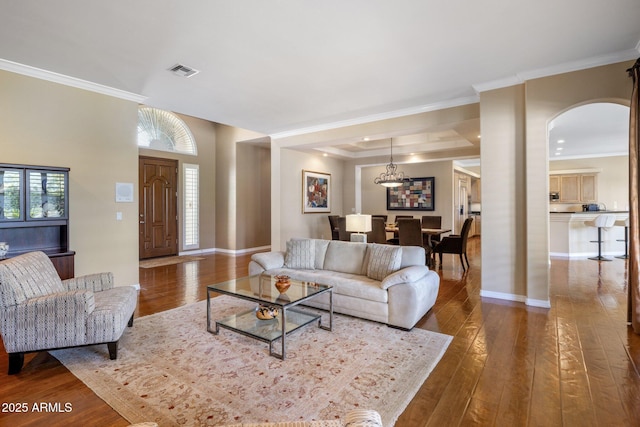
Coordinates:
378	233
395	240
333	223
431	221
384	217
343	234
410	234
455	244
403	217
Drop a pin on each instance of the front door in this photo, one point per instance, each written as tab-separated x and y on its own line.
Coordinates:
158	207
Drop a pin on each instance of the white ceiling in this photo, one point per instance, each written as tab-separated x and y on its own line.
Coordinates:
282	66
590	130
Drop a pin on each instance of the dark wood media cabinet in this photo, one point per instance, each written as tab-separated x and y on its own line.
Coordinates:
34	206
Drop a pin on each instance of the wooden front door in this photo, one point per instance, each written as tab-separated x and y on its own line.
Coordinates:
158	207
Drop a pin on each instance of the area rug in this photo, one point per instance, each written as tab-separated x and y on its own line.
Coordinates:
170	260
172	371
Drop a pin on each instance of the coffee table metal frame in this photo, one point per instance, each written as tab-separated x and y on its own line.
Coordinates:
287	321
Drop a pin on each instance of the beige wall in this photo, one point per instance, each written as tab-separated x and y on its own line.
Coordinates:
254	196
50	124
503	201
374	197
546	98
293	223
227	191
515	167
354	189
95	135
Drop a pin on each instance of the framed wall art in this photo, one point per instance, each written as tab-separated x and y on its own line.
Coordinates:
416	194
316	192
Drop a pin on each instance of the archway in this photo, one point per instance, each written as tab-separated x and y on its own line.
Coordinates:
588	171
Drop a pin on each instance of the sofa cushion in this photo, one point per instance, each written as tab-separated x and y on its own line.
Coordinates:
412	255
383	260
345	257
26	276
321	252
301	253
354	285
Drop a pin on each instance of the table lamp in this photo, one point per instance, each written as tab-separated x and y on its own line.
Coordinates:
358	224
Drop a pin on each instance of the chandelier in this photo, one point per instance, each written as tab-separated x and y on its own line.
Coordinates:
391	178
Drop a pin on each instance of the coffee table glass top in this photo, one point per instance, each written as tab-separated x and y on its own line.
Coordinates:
267	290
262	288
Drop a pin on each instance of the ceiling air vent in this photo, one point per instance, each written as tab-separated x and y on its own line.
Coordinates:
183	71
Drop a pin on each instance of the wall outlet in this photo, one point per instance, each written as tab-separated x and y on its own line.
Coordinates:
118	216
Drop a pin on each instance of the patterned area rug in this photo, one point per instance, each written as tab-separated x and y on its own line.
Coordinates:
170	260
172	371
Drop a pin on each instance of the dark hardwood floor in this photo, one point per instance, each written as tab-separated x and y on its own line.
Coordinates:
508	364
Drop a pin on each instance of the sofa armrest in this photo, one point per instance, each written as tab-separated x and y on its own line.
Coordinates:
71	304
91	282
410	301
269	260
406	275
49	321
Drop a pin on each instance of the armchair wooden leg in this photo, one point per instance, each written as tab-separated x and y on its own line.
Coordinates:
462	262
130	324
467	259
113	350
16	360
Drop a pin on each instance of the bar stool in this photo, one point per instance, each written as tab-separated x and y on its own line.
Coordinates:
624	223
605	221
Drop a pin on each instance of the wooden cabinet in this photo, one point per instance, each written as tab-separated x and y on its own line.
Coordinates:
554	184
589	188
476	196
574	188
34	213
570	188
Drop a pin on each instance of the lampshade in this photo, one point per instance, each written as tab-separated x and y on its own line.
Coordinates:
358	223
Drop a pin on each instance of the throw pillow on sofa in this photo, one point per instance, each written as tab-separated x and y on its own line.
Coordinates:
383	260
300	254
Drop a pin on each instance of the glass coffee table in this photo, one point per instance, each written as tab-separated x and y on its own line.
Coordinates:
262	290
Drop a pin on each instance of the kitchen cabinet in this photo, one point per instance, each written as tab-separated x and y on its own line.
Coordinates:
589	188
574	188
34	213
554	184
475	191
570	188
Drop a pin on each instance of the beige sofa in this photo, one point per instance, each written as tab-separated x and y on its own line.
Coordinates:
383	283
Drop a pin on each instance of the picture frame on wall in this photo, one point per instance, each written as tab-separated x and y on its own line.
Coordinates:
416	194
316	192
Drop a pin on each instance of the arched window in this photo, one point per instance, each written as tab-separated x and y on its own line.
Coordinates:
164	131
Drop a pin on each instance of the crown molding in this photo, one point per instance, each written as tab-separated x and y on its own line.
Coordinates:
584	64
565	67
498	84
378	117
50	76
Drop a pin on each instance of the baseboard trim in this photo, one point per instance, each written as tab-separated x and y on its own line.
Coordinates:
517	298
226	251
581	255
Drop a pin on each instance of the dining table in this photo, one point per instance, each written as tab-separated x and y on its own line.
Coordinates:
429	232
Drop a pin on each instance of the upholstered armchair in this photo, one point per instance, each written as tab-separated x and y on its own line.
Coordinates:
38	311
